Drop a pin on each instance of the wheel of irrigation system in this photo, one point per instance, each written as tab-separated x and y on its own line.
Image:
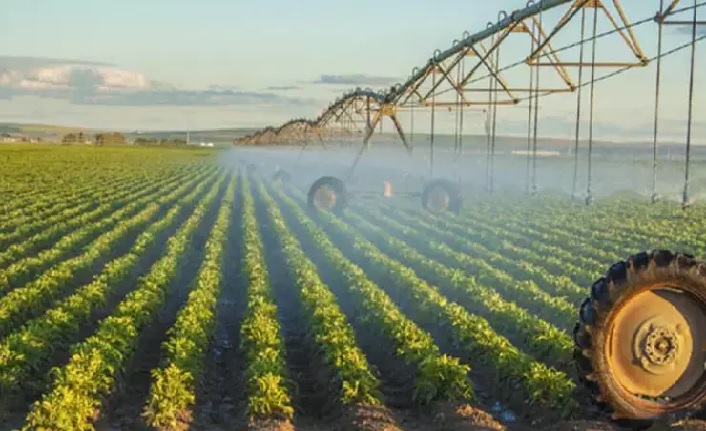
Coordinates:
440	196
282	175
328	193
640	342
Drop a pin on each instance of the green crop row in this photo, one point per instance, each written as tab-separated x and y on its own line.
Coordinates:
609	226
544	340
28	348
499	237
54	228
78	388
38	183
40	203
470	243
485	271
260	336
474	334
173	388
582	271
24	226
438	376
328	325
32	297
102	195
18	272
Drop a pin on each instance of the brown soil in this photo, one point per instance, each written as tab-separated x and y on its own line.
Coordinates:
220	397
456	417
443	416
271	425
362	417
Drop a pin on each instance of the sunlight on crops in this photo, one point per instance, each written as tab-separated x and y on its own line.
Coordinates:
170	287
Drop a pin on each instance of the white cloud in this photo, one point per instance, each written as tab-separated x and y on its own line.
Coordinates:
356	79
102	84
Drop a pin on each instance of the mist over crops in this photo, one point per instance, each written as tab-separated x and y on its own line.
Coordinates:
616	168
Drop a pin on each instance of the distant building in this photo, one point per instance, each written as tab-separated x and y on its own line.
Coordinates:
8	138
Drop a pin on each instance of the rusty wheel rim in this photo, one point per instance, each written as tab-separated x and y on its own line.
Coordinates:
438	200
325	197
657	346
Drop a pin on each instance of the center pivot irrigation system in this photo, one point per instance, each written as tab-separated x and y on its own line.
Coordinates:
639	342
438	195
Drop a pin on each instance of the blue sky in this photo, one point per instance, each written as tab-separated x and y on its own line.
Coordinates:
270	55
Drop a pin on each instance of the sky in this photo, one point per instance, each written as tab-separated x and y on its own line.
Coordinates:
214	63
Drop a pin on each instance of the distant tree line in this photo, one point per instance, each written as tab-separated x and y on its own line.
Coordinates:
160	142
97	139
116	138
110	139
73	138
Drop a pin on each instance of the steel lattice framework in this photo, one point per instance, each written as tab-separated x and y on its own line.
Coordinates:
468	76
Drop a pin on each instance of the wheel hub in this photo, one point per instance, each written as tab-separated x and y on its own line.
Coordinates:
438	200
325	198
661	346
657	346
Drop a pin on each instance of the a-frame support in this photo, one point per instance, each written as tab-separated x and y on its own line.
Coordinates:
386	110
624	30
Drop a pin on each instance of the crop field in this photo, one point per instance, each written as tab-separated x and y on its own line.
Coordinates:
173	289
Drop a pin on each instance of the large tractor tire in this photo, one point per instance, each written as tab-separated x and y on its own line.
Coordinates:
440	196
640	342
328	193
282	175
